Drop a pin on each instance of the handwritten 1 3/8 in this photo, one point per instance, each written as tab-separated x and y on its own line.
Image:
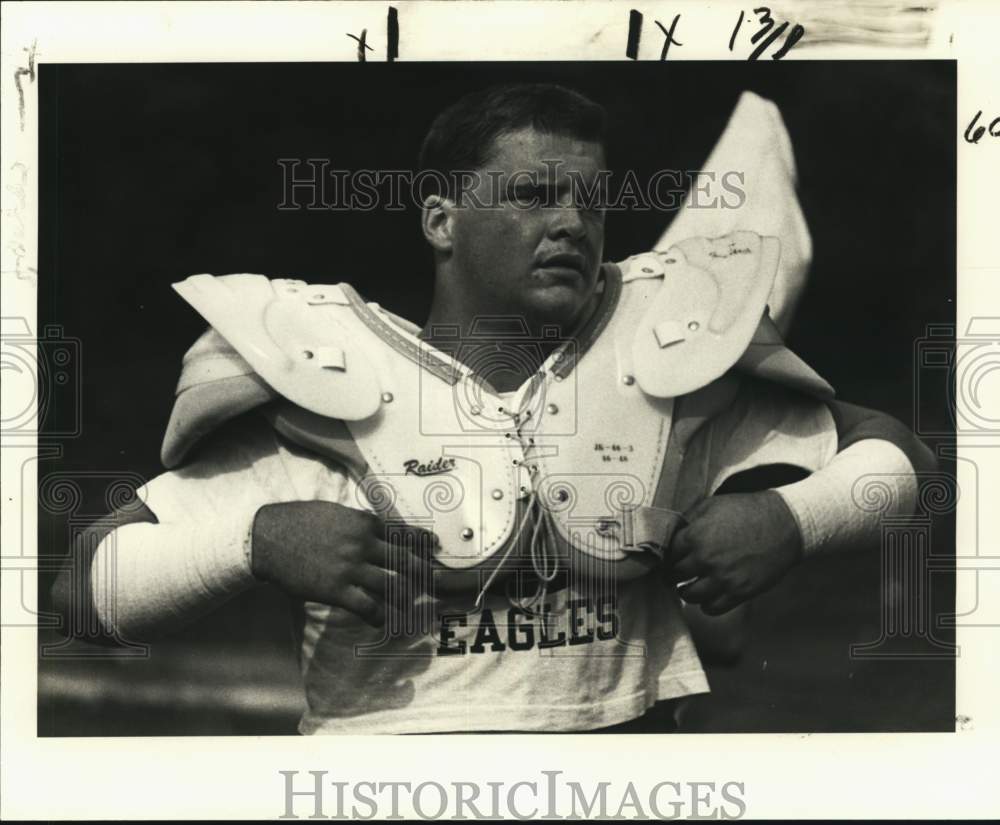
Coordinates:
765	36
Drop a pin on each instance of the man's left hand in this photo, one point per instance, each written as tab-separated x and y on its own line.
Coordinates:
734	546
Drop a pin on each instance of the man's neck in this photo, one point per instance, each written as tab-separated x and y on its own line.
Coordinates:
505	349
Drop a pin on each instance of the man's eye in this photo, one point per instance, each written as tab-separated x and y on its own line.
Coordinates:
593	201
529	195
592	205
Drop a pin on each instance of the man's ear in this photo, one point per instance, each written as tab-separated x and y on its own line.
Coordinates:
437	219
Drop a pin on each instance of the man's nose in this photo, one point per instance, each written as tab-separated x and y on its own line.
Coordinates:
567	221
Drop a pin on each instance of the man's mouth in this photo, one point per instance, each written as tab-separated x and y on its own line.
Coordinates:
569	264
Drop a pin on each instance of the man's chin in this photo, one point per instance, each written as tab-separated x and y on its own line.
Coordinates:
558	303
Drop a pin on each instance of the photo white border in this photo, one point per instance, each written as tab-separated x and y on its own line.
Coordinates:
800	776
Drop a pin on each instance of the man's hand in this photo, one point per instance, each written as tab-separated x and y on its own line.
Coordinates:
327	553
734	547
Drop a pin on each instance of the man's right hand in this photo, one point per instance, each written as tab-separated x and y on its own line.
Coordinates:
335	555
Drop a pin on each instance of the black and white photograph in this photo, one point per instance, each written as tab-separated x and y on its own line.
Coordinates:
525	398
384	395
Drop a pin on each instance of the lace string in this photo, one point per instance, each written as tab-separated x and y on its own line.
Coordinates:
544	564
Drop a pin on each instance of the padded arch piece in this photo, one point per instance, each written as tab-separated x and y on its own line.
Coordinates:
754	156
703	317
294	337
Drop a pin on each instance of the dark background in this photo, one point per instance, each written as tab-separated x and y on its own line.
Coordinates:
150	173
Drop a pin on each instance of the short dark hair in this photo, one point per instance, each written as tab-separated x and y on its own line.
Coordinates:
462	137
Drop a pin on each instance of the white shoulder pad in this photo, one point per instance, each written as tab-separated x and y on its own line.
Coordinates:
755	142
704	316
294	336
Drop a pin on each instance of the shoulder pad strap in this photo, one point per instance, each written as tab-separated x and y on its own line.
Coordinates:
703	317
296	337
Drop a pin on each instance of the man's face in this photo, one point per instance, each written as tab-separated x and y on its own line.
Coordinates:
537	252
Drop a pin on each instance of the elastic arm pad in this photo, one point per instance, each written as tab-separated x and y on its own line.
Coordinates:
856	424
147	579
842	505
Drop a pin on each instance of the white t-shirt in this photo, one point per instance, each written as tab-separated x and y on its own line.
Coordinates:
597	659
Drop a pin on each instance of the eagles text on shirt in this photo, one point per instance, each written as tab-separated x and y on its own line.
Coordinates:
582	622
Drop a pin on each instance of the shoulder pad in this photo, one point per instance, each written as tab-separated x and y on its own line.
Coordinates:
704	316
216	385
295	336
756	142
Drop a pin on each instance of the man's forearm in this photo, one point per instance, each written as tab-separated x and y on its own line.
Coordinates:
150	579
841	506
856	424
135	579
72	592
833	510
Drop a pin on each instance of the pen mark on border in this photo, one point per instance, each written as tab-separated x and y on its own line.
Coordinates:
362	44
20	72
392	28
634	33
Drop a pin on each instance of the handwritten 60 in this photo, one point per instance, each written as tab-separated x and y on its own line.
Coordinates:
973	132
